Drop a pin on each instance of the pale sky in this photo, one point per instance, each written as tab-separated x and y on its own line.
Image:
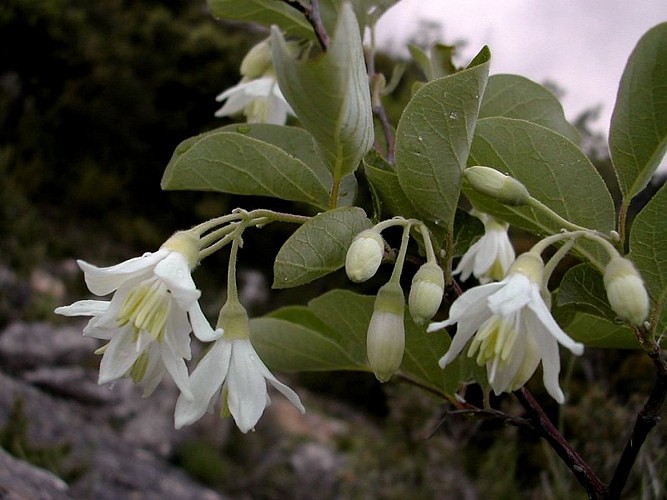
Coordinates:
582	45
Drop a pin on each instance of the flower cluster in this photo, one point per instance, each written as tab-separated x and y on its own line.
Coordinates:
147	325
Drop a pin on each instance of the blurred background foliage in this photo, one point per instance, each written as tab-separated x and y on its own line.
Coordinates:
95	96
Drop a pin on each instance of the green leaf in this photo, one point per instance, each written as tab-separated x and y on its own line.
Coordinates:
229	162
318	247
299	143
266	12
467	229
330	95
330	334
384	181
638	134
555	172
648	249
287	346
420	361
595	331
514	96
433	140
582	288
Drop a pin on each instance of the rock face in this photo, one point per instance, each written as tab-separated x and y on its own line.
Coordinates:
110	444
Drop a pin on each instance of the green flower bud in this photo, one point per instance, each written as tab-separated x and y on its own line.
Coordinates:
428	285
258	60
385	341
626	291
505	189
364	255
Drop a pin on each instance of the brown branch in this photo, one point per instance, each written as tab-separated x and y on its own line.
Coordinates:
312	14
647	418
581	470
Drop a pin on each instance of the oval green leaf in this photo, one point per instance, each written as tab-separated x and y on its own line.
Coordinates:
318	247
330	95
514	96
638	134
433	139
230	162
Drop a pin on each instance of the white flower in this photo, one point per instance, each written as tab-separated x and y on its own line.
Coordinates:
146	321
233	369
260	100
514	330
490	257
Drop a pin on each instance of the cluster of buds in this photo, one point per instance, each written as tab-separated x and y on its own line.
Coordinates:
386	331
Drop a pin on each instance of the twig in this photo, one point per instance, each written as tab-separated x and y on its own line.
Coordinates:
581	470
647	418
312	14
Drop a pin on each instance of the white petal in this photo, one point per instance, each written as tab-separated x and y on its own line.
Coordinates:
292	396
104	280
465	266
235	104
177	333
473	301
176	367
247	387
120	354
542	313
205	381
200	325
153	375
487	253
84	308
514	295
550	360
174	271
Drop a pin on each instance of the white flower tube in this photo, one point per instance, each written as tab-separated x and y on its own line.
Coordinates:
231	370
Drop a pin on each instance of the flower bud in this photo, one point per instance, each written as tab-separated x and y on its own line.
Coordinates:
385	342
625	290
258	60
505	189
428	285
364	255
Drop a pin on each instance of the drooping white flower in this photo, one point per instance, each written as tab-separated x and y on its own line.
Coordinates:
510	329
146	321
490	257
233	371
260	100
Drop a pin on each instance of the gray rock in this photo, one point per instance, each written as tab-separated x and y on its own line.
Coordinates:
34	345
20	480
109	465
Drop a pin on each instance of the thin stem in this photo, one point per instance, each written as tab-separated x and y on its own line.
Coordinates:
232	292
378	108
333	195
426	234
400	260
314	17
581	470
566	224
647	418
